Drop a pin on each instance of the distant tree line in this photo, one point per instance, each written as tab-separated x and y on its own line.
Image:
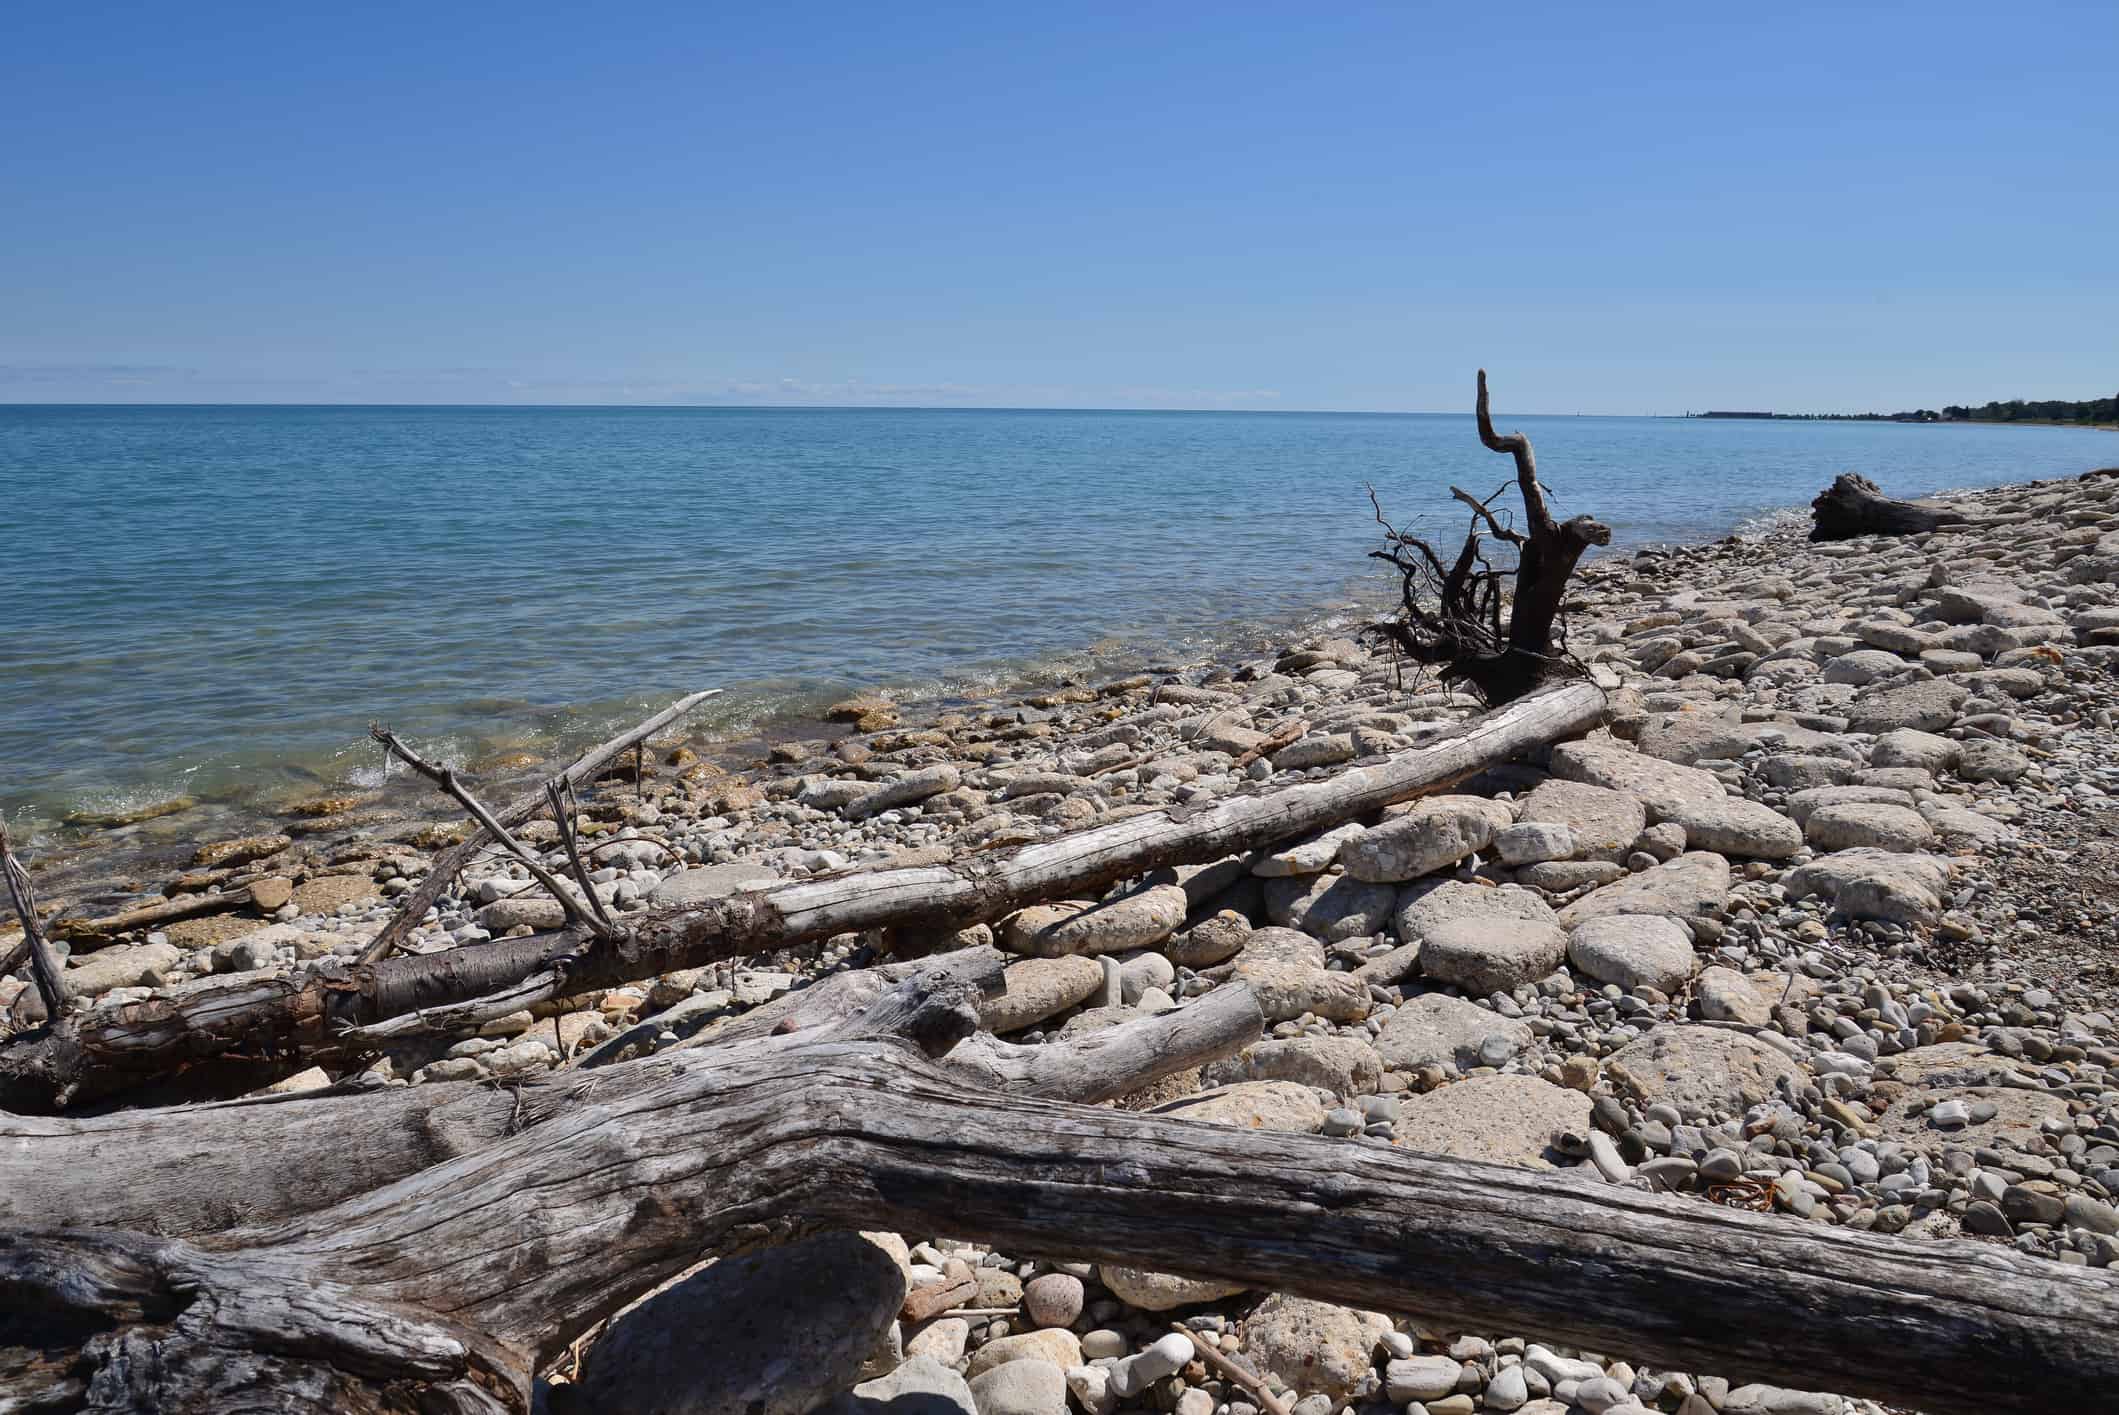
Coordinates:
2015	410
2050	410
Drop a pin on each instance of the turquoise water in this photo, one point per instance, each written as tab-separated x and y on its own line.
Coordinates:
217	600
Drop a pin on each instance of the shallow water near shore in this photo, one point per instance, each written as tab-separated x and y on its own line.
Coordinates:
215	601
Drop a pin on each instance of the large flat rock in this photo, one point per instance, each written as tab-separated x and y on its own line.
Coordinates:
1501	1119
1345	1066
1605	822
1313	1347
1701	1070
1137	919
1735	826
1663	787
1434	835
1252	1105
1689	737
1875	884
1286	991
1634	951
1928	706
1425	906
1872	825
1038	988
1693	886
1330	907
1485	956
1435	1027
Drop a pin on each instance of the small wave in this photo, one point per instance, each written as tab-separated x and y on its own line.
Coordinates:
1763	525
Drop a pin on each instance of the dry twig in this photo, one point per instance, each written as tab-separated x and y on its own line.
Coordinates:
1236	1371
446	779
45	968
451	862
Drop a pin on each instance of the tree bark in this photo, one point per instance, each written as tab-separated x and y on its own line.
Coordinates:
448	1288
192	1170
106	1051
1854	506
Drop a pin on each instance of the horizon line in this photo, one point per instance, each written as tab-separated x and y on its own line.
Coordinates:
820	408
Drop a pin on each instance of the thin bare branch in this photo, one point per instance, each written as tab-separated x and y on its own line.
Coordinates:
1484	511
45	968
446	779
451	861
1243	1375
1517	445
565	820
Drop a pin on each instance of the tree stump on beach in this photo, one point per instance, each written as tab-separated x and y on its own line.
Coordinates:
1854	506
1452	617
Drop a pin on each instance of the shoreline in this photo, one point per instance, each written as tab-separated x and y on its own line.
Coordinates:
142	828
152	831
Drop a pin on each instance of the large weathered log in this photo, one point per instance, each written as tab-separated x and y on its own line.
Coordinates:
190	1170
141	1322
459	1279
107	1050
1854	506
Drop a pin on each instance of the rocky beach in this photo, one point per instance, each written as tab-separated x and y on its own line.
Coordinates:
1821	923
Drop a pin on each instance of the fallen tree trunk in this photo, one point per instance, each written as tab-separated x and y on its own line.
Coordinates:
447	1289
190	1170
109	1050
1854	506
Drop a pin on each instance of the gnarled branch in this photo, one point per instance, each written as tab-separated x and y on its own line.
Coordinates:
1452	619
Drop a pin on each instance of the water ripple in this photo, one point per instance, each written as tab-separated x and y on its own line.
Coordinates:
219	599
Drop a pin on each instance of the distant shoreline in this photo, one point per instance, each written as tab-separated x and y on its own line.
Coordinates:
1901	422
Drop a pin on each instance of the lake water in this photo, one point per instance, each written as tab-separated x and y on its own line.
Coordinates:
217	600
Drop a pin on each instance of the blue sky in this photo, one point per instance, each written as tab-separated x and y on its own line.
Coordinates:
1614	208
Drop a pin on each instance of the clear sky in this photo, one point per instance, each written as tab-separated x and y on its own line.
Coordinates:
1615	208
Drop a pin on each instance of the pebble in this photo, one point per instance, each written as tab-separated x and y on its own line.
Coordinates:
1341	1121
1053	1300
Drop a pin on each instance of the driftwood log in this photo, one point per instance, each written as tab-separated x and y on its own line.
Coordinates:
1854	506
181	1171
1494	628
254	1023
450	1287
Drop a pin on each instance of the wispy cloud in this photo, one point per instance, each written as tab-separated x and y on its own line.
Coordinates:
471	384
92	373
860	392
